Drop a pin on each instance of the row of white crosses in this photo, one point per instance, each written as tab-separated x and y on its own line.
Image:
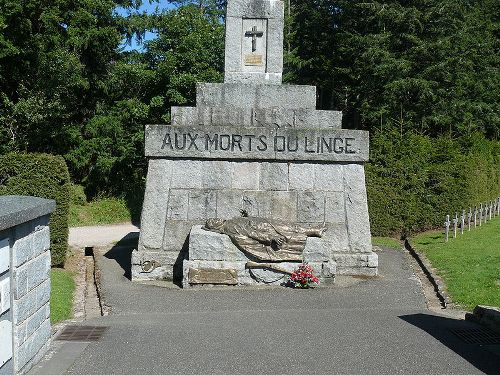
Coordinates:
479	215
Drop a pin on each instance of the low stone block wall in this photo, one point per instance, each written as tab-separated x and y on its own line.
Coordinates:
25	278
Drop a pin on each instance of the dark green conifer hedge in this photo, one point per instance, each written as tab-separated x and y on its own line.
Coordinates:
45	176
414	181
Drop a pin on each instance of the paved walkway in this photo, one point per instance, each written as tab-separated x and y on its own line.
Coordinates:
360	326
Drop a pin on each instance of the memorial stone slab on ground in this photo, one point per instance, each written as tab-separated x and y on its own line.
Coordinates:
254	146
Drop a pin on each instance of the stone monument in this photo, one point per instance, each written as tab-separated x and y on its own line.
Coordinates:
252	147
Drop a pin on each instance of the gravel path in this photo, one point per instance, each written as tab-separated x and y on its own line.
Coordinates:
101	235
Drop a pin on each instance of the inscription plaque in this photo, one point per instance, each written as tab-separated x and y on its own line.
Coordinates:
223	276
258	143
253	60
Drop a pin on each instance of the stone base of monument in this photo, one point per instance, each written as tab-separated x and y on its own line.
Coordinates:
215	260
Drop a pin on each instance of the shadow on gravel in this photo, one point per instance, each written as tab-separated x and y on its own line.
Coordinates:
121	252
441	329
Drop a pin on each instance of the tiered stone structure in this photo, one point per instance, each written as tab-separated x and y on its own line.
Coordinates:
256	146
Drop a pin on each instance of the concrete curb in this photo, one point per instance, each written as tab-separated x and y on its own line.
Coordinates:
436	281
488	316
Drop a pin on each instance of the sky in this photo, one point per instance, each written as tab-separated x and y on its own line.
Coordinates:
148	7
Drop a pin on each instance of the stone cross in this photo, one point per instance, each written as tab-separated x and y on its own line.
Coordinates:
491	208
447	226
455	222
469	217
254	34
462	224
480	213
475	216
485	212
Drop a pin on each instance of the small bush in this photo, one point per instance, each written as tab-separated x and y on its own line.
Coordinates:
78	196
45	176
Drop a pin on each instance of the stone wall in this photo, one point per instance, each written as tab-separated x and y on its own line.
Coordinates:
25	236
183	193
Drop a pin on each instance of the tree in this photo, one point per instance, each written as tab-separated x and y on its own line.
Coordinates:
426	65
54	58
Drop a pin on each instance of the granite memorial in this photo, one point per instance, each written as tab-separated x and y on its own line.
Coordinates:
254	146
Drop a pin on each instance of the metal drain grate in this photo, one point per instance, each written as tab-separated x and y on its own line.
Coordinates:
82	333
477	336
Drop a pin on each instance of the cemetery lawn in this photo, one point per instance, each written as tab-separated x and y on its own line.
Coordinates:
469	264
389	242
99	211
61	295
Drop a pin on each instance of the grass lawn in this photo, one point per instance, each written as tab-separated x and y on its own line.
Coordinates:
61	296
99	211
469	264
390	242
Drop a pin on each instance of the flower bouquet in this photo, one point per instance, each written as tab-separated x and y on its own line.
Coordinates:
303	277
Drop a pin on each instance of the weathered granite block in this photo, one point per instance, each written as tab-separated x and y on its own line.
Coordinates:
274	176
202	204
43	293
274	44
22	250
252	77
36	320
217	174
20	278
357	208
246	176
187	174
299	176
256	9
178	203
207	245
254	203
38	270
256	117
41	239
328	177
164	259
283	206
176	233
317	250
311	207
154	208
334	207
255	95
336	234
184	116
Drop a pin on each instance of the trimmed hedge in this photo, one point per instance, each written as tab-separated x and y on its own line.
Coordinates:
413	181
45	176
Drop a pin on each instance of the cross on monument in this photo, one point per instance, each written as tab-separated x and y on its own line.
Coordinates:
254	34
254	42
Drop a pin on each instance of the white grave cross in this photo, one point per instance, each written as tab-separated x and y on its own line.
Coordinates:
455	222
447	226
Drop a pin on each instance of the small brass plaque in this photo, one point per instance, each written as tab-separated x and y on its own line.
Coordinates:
253	60
213	276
